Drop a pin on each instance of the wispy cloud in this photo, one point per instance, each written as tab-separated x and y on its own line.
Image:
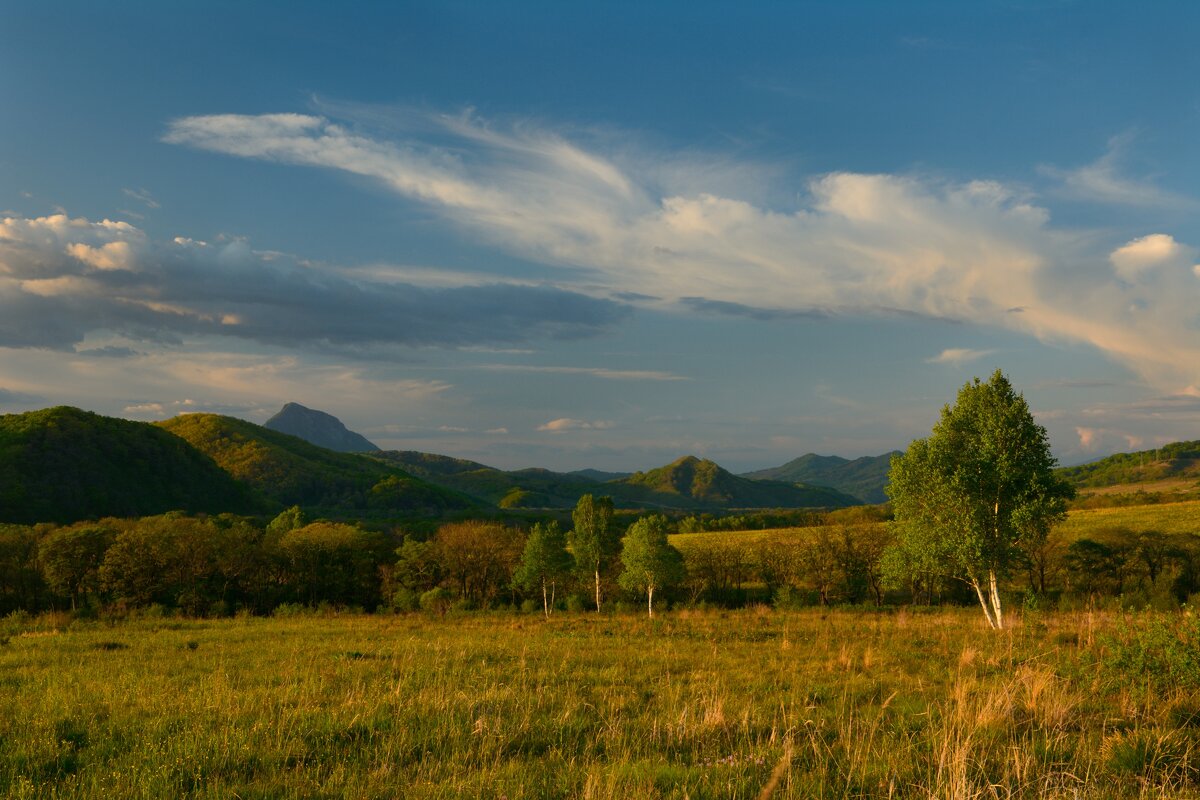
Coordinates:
1103	181
972	251
143	196
957	356
595	372
565	424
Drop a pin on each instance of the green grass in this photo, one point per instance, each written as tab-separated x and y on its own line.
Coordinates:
697	705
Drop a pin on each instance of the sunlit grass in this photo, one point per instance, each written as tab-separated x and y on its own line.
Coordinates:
846	704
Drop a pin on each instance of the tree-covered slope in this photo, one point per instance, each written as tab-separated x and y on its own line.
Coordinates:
864	478
63	464
523	488
1178	461
691	482
290	471
427	465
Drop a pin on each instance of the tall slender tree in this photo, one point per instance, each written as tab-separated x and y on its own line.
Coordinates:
979	487
544	563
592	543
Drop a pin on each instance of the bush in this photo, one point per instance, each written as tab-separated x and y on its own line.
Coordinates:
291	610
1161	652
405	599
437	600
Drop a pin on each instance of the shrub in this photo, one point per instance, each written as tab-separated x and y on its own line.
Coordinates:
1158	651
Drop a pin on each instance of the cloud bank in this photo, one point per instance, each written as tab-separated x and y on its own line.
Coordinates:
63	278
973	251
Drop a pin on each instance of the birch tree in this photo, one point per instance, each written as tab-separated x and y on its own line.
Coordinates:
649	559
977	489
591	544
544	563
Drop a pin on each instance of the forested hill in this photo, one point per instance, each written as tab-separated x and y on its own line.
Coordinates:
63	464
864	478
524	488
290	471
1177	462
691	482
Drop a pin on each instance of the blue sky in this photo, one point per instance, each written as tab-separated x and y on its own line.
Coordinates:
605	235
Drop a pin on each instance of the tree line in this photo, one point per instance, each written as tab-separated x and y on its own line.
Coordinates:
217	565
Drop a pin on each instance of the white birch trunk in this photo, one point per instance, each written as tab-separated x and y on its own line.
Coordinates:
997	612
983	603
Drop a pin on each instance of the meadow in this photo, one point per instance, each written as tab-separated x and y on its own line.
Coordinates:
692	704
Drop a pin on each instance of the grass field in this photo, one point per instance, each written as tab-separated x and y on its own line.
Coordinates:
1167	518
748	704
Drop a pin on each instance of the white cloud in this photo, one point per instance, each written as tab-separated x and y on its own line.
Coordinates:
862	243
1087	437
63	278
142	196
957	356
565	424
1133	259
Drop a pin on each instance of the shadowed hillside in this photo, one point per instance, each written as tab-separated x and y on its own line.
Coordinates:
694	483
864	478
290	471
63	464
523	488
319	428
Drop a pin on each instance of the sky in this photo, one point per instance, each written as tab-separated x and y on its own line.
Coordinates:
606	235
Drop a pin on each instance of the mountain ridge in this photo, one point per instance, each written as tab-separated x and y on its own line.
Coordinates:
864	477
319	428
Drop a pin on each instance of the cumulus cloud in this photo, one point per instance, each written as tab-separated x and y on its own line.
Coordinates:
1142	255
62	278
975	251
564	424
957	356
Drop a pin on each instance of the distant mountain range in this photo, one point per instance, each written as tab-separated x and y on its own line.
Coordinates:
62	464
319	428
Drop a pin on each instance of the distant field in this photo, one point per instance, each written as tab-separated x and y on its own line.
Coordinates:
700	705
1164	518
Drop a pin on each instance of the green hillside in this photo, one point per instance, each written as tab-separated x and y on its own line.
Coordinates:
694	483
290	471
63	464
427	465
1179	461
864	478
524	488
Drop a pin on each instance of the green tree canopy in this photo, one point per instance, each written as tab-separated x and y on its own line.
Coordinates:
982	485
649	559
544	563
590	540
